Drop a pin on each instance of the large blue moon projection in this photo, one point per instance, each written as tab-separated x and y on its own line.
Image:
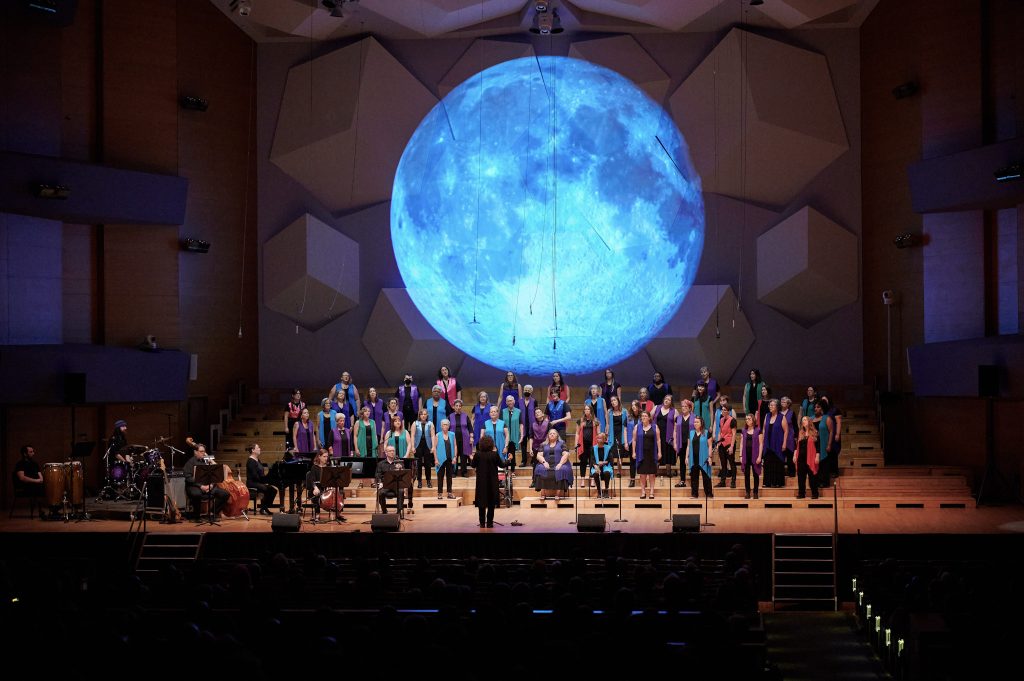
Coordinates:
545	215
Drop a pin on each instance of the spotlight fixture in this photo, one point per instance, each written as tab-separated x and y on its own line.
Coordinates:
243	7
195	245
906	240
904	90
194	103
541	6
546	22
1010	173
51	191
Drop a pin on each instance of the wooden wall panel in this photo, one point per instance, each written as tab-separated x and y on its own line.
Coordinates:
218	289
78	85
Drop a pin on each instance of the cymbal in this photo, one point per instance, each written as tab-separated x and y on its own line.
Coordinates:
160	440
132	449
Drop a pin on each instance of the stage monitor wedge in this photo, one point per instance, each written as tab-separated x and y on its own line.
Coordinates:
590	522
686	522
286	522
385	522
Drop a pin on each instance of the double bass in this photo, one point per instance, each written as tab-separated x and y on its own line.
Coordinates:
237	490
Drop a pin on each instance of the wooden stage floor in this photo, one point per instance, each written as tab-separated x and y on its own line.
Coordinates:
985	520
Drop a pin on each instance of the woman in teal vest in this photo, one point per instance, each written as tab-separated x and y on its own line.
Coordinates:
365	436
699	458
601	466
399	438
444	457
423	443
498	432
513	420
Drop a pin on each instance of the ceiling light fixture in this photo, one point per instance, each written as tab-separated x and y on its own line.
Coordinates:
545	21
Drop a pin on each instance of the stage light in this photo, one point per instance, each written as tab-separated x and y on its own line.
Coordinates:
52	191
194	103
906	240
1009	173
195	245
546	22
243	7
878	623
868	609
888	637
899	646
860	598
855	585
904	90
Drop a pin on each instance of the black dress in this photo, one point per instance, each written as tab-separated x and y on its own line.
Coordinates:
486	465
649	466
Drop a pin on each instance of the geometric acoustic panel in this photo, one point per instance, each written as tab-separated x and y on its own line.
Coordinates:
807	267
776	123
793	13
623	54
481	55
344	143
689	340
670	15
434	17
400	340
310	273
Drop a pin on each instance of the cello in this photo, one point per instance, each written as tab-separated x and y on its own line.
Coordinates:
237	490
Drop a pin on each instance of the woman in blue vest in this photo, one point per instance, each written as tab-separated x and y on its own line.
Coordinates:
399	438
495	428
699	458
632	419
558	412
444	455
463	429
646	452
325	420
437	410
601	466
774	428
422	442
599	405
346	392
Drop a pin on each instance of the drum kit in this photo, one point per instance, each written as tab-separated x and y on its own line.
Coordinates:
129	468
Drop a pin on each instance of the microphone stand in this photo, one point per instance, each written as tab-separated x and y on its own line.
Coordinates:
576	503
670	466
621	519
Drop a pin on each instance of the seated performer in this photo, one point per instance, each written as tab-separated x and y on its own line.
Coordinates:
27	478
601	466
553	469
313	478
197	492
258	480
390	463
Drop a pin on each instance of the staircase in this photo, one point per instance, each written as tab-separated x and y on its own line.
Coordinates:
804	571
180	549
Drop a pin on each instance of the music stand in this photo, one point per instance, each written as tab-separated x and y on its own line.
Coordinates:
208	474
398	481
337	477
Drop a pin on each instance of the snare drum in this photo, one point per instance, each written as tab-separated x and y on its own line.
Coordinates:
53	483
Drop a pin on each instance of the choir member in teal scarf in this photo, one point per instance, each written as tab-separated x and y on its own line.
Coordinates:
513	421
423	442
325	420
752	391
826	434
699	458
365	434
444	457
601	466
436	408
498	432
399	438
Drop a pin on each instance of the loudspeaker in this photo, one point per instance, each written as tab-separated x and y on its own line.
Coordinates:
688	522
590	522
988	380
384	522
285	522
177	480
74	388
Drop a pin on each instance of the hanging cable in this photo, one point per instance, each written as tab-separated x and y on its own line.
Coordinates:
554	200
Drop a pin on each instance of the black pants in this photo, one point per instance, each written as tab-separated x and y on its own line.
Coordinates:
510	455
803	473
487	511
790	466
424	461
747	470
727	460
619	453
314	499
404	495
603	475
833	458
446	471
585	456
219	498
696	472
269	494
668	454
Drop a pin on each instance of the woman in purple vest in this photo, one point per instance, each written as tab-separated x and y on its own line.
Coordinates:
553	469
666	418
528	415
750	454
339	438
376	406
408	396
789	445
462	426
304	434
510	386
481	412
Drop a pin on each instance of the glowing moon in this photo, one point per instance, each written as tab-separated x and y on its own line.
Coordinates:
553	201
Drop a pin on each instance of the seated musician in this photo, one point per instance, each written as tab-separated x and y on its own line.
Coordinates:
288	484
199	492
313	478
390	463
601	465
258	480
